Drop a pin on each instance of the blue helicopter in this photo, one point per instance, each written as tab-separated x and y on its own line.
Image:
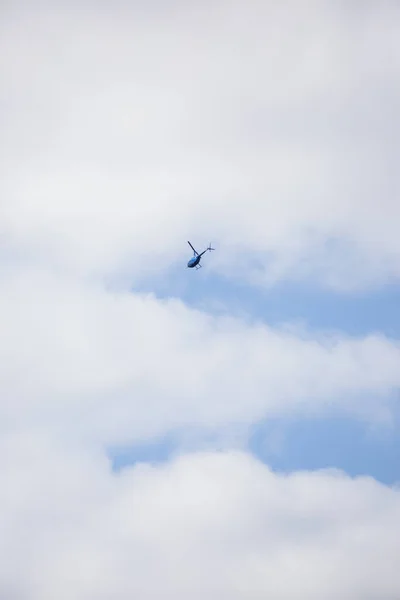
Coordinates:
195	260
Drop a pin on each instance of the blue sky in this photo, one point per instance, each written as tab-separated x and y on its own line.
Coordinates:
289	445
356	314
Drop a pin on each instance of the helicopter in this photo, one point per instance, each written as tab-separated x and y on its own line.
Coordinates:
195	260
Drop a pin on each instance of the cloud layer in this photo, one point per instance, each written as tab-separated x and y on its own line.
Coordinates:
120	366
271	129
220	525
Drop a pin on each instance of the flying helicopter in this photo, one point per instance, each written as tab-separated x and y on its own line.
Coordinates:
196	258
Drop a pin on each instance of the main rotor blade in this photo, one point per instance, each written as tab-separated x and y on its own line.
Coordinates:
195	251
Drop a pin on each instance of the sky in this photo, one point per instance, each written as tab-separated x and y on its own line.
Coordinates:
232	432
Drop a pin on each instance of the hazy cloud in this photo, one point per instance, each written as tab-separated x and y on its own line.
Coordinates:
269	128
220	525
119	365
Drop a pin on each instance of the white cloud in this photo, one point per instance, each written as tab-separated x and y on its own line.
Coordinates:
215	525
120	366
269	128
